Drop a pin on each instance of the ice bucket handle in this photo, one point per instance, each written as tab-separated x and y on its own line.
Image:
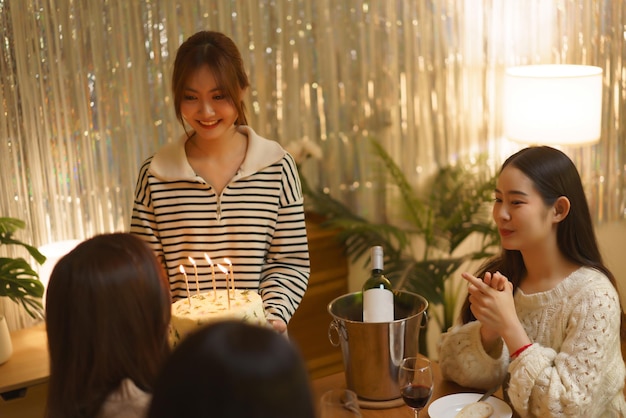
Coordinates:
339	330
424	320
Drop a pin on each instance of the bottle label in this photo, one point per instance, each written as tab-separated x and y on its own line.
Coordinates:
377	305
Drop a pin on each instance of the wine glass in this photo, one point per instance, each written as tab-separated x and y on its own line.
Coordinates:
415	378
340	403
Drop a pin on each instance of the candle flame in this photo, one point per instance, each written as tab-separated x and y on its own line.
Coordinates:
182	270
225	271
192	261
227	261
208	259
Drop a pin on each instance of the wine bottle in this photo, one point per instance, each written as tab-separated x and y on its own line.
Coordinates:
377	293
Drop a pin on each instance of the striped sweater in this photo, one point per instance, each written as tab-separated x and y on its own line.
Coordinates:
257	223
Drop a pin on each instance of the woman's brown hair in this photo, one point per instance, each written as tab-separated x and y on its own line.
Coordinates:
107	314
220	53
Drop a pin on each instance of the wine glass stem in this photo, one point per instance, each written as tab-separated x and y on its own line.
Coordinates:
417	413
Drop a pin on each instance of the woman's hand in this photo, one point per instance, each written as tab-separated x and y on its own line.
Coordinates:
491	302
496	281
493	307
278	325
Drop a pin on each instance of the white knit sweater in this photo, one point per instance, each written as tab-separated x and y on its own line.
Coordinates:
127	401
573	369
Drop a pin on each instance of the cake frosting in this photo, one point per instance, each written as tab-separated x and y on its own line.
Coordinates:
205	308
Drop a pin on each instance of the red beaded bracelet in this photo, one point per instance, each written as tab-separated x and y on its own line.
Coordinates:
520	351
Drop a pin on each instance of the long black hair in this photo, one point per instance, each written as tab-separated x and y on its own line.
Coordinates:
553	175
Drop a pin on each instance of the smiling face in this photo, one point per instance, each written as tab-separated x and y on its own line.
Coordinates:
524	220
206	107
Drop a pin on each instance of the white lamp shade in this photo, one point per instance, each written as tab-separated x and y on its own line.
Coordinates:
53	251
553	104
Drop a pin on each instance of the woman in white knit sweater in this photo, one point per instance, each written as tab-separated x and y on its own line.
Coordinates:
546	311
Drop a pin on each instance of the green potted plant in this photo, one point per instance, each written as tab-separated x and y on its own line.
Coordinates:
423	247
18	281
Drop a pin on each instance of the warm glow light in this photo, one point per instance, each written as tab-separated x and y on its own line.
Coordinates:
53	251
553	104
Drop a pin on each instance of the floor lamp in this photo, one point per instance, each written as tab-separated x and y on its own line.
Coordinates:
553	104
560	106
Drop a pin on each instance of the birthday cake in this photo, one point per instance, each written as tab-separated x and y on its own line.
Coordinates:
205	308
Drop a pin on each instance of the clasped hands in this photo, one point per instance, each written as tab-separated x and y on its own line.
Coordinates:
491	301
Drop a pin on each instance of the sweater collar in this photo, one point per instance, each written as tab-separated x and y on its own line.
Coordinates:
170	162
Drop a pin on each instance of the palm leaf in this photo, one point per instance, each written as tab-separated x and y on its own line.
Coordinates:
18	281
455	207
414	206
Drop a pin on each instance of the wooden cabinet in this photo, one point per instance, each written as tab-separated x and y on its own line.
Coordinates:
29	402
329	279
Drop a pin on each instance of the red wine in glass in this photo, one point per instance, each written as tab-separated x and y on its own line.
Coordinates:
415	380
416	396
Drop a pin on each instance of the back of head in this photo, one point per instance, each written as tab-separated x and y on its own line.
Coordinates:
233	370
107	313
220	54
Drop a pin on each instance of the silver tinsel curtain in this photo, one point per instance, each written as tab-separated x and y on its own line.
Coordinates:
86	98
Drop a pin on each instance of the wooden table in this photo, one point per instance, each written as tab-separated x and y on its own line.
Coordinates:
24	377
442	388
29	365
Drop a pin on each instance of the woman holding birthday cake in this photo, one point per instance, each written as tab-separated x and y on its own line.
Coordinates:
221	194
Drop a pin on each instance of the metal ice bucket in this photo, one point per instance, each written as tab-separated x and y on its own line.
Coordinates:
372	352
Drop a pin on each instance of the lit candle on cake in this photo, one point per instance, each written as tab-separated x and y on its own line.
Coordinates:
225	271
208	260
195	270
232	276
182	270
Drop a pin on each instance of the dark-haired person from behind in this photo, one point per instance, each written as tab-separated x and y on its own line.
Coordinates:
107	315
233	370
